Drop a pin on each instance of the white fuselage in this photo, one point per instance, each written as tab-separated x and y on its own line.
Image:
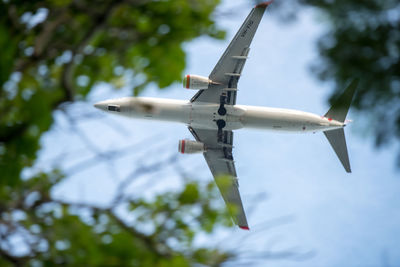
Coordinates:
205	115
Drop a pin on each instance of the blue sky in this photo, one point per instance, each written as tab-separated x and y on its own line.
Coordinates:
344	219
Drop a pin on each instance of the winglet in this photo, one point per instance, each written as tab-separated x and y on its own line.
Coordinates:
244	227
264	4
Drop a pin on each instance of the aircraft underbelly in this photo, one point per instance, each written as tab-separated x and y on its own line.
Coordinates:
160	109
206	116
282	119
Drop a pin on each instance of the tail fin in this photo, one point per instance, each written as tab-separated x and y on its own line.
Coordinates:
338	142
339	109
338	112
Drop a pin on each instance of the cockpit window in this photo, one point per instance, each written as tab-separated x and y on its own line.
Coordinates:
114	108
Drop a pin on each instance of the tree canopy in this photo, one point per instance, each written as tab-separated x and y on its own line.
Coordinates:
54	53
362	41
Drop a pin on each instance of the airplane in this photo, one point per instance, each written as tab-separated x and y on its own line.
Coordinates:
212	114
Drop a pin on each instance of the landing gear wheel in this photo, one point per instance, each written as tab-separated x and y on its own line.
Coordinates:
221	124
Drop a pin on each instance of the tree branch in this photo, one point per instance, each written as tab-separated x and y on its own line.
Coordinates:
148	241
99	22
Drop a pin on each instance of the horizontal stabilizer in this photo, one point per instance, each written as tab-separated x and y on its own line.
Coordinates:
341	106
338	142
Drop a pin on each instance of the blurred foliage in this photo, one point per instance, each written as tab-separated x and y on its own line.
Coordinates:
363	41
54	52
160	232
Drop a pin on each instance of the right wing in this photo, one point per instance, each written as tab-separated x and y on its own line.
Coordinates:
226	73
220	161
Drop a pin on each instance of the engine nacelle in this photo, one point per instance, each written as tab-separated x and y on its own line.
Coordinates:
196	82
191	147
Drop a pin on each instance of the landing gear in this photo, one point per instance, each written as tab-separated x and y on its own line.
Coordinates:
222	110
222	101
221	124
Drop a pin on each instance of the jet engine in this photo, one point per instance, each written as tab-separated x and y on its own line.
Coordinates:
196	82
191	147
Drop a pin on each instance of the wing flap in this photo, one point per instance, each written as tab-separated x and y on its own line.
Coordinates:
220	161
228	69
229	187
239	46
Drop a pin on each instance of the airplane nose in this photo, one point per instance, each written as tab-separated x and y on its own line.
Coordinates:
101	105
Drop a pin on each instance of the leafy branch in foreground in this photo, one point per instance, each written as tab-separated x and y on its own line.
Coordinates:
55	52
130	232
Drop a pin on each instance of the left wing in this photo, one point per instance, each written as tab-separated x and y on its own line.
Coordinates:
220	161
226	73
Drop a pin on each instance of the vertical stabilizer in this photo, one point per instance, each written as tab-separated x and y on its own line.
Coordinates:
339	109
338	142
